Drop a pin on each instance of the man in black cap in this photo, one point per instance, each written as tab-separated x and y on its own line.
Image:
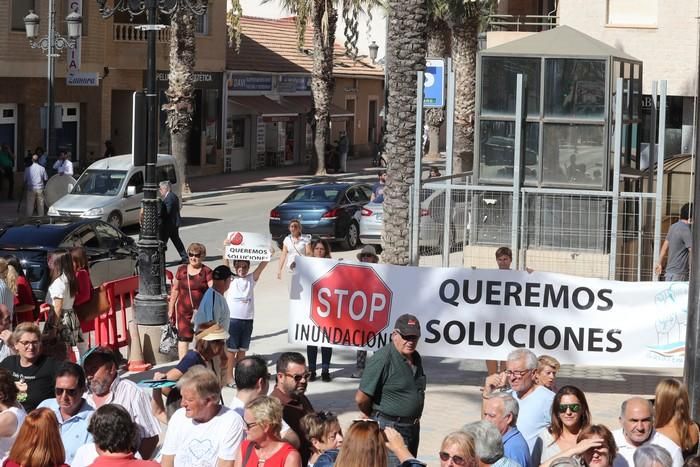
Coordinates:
213	306
392	389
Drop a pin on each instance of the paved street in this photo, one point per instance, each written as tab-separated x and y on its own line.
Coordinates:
243	201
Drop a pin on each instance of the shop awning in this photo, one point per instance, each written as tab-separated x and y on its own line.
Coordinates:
304	104
265	107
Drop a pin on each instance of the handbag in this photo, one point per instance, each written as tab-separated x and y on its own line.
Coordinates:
168	339
97	305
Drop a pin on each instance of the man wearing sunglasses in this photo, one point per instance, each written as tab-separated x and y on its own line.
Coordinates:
534	401
392	389
72	411
292	379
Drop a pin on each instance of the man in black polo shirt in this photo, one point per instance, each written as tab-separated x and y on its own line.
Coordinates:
392	389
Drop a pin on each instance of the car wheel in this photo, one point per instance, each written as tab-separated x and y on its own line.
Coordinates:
352	236
115	220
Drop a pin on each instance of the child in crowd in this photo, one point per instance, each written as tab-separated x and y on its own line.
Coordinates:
547	368
324	432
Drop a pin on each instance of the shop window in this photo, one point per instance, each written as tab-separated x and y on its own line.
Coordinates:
238	132
632	12
575	89
20	8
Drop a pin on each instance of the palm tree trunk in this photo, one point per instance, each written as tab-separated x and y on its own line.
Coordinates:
406	46
181	86
464	48
438	46
322	77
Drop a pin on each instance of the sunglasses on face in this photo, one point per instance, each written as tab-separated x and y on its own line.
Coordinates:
70	392
298	378
408	338
573	407
194	255
325	415
458	460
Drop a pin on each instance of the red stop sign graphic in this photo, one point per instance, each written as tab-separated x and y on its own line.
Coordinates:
354	298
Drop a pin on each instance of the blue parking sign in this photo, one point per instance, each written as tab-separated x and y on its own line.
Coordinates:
434	85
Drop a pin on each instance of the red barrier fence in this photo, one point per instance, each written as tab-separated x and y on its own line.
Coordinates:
111	328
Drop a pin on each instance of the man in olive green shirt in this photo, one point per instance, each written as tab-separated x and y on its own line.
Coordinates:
392	389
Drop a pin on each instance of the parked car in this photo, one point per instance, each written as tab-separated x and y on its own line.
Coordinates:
328	210
432	226
111	254
111	189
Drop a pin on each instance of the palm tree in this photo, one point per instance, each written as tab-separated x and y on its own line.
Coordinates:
180	91
406	47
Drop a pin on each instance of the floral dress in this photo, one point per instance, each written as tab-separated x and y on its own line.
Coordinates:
190	293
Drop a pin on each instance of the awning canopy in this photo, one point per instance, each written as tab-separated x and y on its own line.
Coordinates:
303	104
265	107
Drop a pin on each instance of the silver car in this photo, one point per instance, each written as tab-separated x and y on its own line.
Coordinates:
432	225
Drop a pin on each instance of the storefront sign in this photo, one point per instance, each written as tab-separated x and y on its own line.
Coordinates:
260	135
73	55
249	83
201	79
485	314
292	84
83	79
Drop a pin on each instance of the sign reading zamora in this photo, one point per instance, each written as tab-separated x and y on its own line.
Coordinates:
484	314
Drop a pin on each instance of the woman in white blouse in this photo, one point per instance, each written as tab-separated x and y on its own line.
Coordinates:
11	412
293	245
62	292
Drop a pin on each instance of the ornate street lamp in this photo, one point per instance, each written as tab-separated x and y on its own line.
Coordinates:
51	45
150	305
373	50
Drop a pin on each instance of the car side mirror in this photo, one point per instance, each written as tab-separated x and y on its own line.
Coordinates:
130	191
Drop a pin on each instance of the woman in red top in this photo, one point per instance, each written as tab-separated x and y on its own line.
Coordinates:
24	298
82	275
38	442
263	445
190	283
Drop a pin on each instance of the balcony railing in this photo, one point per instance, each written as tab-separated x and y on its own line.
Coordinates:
522	22
130	32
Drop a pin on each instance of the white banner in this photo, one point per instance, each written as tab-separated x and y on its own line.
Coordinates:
249	246
484	314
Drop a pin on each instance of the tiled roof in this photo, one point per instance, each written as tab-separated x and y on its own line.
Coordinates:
270	45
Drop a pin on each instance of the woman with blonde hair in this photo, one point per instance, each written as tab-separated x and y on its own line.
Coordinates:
38	443
263	445
458	449
293	245
8	285
672	416
190	282
24	301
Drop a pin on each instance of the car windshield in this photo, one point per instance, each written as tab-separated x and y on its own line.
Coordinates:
100	182
314	194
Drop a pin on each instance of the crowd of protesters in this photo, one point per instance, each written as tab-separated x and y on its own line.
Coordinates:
73	408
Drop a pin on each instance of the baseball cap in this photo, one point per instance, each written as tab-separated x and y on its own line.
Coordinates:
367	250
212	333
221	273
408	325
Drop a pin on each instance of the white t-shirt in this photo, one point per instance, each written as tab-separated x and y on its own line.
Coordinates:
63	167
239	297
295	248
202	444
6	443
625	450
59	289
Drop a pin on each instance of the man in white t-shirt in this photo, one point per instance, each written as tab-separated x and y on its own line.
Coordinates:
637	429
203	433
534	402
241	306
63	165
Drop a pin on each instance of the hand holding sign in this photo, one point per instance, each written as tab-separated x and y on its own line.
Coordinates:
248	246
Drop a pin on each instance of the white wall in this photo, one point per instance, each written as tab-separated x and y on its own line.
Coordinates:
376	32
669	49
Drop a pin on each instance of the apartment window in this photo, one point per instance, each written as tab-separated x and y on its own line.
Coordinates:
632	12
20	8
202	24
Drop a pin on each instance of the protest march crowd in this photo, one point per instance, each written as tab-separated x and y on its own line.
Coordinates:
75	408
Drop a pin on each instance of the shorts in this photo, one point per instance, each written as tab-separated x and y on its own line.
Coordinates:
239	331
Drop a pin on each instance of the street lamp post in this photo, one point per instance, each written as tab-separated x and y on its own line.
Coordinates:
51	45
150	305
